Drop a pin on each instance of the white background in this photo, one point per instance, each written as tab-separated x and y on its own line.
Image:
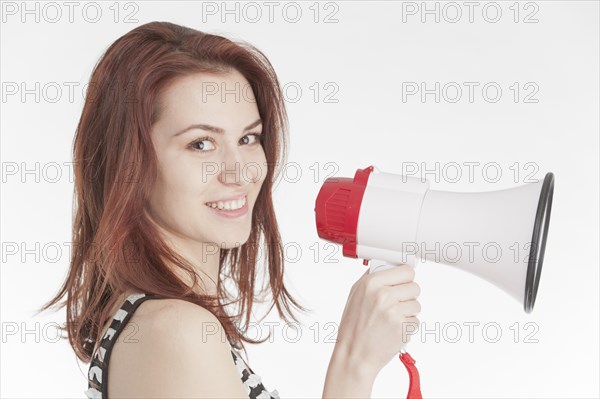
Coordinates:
367	55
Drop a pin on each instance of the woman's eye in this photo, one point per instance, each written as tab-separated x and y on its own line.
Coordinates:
203	144
206	144
256	138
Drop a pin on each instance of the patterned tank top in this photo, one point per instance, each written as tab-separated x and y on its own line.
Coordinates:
98	370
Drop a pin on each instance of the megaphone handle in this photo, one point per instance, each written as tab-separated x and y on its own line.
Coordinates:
414	385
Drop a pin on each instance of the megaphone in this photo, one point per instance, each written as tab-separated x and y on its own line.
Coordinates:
389	219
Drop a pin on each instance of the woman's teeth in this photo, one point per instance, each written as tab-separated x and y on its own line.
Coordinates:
228	205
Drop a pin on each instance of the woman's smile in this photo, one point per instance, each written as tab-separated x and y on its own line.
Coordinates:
229	209
230	203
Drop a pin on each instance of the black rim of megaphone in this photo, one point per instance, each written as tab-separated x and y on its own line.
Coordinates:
538	242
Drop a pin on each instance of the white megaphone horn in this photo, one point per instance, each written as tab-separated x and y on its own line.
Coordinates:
389	219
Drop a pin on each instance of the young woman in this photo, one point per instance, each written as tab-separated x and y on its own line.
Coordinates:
176	152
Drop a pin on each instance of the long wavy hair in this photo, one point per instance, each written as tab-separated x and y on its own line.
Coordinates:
115	246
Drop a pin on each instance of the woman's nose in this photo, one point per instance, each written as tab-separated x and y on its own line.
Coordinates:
236	171
231	173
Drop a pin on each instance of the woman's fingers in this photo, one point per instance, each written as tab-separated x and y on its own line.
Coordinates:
393	276
406	292
389	295
410	308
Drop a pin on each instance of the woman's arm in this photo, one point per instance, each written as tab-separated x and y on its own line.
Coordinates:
346	378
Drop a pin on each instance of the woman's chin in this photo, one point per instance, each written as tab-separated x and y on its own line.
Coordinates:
233	240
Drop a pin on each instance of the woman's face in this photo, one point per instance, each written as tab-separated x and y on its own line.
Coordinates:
211	163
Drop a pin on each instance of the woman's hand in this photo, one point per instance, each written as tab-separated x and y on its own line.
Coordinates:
378	320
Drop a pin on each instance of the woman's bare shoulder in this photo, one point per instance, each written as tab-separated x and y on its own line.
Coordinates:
161	312
177	348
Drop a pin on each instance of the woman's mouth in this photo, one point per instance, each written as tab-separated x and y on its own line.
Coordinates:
229	209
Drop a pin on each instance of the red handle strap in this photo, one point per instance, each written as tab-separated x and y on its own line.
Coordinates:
414	386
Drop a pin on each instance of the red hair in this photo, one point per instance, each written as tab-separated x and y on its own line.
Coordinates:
115	246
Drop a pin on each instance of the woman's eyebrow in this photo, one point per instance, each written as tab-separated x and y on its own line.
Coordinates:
214	128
